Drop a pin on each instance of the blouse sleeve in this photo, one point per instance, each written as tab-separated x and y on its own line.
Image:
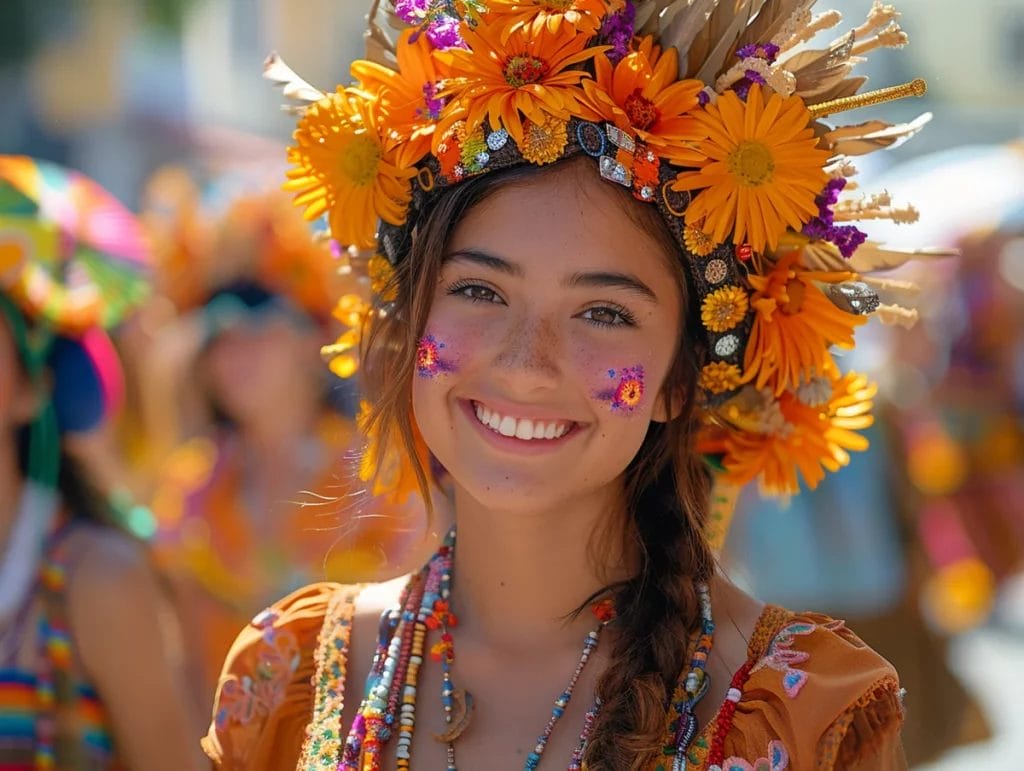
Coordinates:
818	698
264	695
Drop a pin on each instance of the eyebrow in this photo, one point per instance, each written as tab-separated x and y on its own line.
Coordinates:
485	259
590	279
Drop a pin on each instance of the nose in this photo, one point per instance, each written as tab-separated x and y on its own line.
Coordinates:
529	355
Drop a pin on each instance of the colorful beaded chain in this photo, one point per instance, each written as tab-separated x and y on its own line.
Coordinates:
389	703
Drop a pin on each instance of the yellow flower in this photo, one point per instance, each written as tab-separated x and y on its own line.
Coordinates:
342	166
697	241
812	441
761	172
794	326
545	141
342	355
382	278
410	100
642	95
512	75
385	463
719	377
537	15
724	308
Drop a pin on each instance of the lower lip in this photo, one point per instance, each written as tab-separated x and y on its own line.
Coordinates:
514	444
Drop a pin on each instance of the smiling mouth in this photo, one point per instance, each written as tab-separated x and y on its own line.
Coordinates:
521	428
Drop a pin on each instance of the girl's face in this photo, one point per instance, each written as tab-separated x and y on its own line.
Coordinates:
553	326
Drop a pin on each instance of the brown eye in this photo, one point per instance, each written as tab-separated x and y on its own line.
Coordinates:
475	292
609	317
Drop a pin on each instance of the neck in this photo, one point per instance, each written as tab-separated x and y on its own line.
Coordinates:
519	576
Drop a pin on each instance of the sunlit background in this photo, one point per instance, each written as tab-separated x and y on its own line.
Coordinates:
119	88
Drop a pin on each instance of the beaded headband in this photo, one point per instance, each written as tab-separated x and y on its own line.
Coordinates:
712	112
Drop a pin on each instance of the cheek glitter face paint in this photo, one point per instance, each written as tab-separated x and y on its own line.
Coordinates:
626	389
430	362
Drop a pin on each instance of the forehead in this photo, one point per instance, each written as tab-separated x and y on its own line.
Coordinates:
564	217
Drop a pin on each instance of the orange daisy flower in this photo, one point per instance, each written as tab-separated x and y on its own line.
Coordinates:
509	75
385	464
794	326
641	95
719	377
342	166
536	15
724	308
761	170
812	441
409	100
342	356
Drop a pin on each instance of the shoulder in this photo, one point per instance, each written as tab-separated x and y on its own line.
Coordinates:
265	694
816	695
101	558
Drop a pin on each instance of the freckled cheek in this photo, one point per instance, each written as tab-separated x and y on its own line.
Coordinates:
616	379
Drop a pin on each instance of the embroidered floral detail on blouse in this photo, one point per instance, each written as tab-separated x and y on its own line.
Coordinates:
782	657
259	694
777	760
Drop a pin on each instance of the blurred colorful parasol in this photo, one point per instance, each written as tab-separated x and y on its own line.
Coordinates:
70	253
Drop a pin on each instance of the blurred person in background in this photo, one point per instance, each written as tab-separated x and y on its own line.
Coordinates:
257	503
90	653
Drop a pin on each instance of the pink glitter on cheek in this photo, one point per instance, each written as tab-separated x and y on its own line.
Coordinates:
626	390
430	358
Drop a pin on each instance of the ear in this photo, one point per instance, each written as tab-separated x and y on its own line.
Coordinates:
668	405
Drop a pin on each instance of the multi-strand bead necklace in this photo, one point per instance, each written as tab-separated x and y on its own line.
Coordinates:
389	705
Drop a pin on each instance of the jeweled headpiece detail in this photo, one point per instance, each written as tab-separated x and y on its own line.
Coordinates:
713	112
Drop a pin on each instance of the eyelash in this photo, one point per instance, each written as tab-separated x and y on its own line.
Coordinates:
460	287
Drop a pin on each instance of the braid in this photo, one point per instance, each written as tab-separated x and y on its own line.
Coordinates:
657	611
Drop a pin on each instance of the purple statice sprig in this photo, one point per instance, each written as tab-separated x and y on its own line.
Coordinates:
438	19
617	30
823	228
766	52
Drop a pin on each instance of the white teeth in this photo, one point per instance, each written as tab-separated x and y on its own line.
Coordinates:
523	428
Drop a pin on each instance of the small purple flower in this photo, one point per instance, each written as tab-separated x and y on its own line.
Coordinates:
412	11
444	33
823	228
617	31
432	103
766	51
703	97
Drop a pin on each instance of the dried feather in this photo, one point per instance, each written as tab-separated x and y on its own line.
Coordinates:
841	88
380	45
771	19
294	87
723	30
818	70
872	256
649	14
681	24
892	290
872	135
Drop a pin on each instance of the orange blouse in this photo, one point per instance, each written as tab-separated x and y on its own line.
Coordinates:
817	697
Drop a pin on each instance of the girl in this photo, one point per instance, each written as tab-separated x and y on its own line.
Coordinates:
591	272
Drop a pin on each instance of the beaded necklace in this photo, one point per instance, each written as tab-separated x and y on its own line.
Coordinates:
389	703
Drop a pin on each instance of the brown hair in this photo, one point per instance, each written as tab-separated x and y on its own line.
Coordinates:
667	483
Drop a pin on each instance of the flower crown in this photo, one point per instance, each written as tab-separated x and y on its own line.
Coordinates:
713	112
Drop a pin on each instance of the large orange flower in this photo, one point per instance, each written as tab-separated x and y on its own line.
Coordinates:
344	167
641	95
342	356
761	172
385	464
409	100
535	15
794	326
511	75
812	440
